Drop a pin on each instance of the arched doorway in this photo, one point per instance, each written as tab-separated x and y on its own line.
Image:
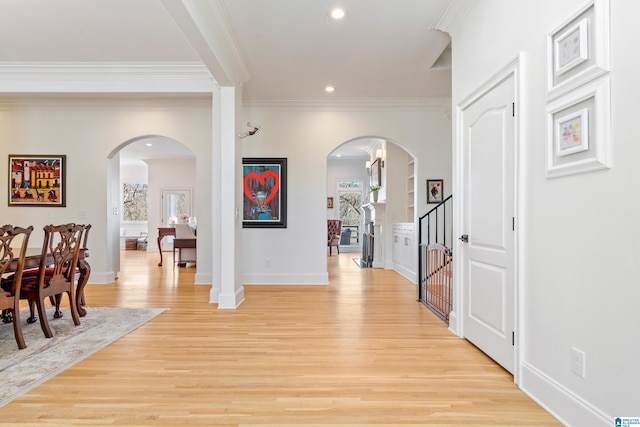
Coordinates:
155	165
358	164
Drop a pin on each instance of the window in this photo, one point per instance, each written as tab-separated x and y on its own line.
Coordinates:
349	203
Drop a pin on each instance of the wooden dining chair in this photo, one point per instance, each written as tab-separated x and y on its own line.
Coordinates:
12	257
56	273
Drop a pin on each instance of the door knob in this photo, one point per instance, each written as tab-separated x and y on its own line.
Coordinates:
464	238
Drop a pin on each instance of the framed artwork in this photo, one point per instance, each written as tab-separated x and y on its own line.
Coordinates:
435	190
376	172
264	186
329	202
572	132
578	49
37	180
578	130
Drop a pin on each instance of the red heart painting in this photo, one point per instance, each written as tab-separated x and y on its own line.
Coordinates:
261	179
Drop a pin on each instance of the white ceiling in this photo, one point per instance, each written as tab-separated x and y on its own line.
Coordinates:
383	49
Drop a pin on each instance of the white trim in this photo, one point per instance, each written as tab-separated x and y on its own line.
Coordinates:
561	400
44	77
598	54
598	154
353	104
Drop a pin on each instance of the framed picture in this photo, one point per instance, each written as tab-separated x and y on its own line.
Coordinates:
578	49
435	190
578	130
376	172
572	132
37	180
264	187
329	202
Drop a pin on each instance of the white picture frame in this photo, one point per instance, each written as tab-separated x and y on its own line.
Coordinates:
572	133
585	110
571	48
578	50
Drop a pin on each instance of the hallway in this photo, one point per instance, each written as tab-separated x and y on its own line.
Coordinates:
360	351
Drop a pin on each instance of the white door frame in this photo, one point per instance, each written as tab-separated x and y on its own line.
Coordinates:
456	323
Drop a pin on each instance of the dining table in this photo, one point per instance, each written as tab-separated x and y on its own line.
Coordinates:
32	260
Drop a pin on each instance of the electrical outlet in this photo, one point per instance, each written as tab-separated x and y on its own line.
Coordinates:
578	362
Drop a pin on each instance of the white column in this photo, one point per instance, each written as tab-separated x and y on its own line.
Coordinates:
229	240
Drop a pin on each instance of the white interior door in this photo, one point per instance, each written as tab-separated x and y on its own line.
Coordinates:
488	222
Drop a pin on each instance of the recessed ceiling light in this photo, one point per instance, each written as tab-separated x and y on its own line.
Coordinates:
329	89
338	13
148	144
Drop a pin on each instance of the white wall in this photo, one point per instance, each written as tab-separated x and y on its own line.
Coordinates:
87	130
306	134
579	244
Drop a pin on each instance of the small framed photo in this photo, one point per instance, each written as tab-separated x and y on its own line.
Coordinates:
571	48
434	190
37	180
572	132
329	202
578	50
578	130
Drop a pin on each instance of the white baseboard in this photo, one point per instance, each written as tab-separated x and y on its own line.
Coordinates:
569	408
102	278
404	271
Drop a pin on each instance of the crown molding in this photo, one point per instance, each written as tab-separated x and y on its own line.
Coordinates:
450	14
105	77
353	104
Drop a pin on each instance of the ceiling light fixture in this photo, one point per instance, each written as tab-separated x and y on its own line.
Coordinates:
338	13
329	89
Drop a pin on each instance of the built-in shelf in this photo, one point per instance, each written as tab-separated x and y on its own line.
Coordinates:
410	187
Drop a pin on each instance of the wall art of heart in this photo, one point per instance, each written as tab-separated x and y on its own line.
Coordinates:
264	187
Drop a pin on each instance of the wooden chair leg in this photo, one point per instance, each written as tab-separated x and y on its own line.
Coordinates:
44	323
73	307
32	318
17	329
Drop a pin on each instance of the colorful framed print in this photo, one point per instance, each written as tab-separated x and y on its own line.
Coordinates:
264	185
572	133
434	190
37	180
579	130
578	50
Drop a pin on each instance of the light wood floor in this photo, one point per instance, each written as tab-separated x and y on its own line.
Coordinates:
360	351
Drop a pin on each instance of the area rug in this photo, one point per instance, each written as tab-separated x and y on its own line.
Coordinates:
46	357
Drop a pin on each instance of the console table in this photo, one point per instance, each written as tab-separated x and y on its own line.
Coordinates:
180	244
162	233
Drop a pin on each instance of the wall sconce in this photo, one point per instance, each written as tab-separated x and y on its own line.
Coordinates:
367	165
379	156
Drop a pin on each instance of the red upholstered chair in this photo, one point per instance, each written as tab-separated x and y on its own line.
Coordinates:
333	234
13	248
56	273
